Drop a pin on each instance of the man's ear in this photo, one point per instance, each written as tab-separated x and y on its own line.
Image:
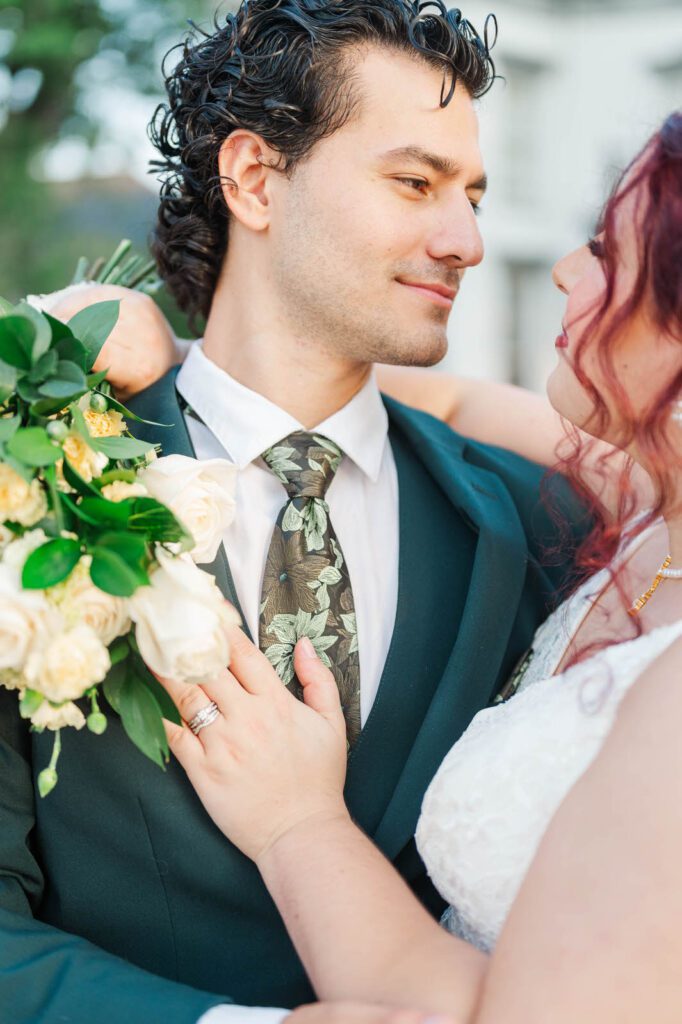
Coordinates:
246	166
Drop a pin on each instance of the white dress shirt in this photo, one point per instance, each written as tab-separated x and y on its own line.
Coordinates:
239	424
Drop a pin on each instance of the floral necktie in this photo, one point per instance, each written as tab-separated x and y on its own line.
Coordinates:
306	587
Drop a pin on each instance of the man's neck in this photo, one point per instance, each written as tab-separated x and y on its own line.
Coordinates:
252	344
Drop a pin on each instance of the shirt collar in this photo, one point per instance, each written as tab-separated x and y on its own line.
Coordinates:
247	424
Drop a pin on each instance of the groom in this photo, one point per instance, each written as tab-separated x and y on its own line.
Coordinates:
319	207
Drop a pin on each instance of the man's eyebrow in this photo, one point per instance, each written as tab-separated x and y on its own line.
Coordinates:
441	164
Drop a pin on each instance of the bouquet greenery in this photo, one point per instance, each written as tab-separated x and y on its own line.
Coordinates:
99	538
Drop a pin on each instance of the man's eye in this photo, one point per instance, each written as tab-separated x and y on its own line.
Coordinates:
417	184
596	248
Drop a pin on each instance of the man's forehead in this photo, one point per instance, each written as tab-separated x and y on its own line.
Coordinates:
399	108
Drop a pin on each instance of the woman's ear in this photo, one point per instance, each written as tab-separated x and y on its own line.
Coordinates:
246	166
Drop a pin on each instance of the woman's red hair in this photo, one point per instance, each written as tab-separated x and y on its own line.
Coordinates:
654	178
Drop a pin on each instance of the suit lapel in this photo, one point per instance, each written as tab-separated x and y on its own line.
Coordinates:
496	582
160	403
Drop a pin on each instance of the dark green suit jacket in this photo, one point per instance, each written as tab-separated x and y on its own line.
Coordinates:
119	899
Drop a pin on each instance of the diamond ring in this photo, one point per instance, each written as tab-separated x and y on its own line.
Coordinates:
206	716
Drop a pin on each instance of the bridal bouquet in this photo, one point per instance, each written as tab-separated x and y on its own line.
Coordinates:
99	541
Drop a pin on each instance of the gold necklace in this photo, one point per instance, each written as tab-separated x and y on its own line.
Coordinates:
664	573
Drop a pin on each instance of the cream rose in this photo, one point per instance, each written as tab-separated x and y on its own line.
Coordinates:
27	621
119	490
20	501
83	459
182	620
49	717
63	669
80	601
16	552
199	493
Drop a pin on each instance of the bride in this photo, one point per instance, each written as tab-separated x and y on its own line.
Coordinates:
554	826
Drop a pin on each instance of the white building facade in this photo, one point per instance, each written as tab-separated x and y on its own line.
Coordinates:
586	85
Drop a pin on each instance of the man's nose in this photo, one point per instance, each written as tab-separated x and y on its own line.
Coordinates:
456	236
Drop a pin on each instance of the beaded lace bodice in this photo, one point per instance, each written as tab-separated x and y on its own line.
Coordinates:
490	803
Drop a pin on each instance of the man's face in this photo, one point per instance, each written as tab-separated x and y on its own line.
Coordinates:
371	235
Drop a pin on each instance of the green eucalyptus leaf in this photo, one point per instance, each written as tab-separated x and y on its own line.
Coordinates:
28	392
50	563
9	426
114	681
118	564
76	481
142	719
121	447
68	382
17	334
44	367
129	414
94	324
112	514
8	381
74	351
59	328
95	379
75	509
33	447
45	406
149	516
43	331
119	650
168	708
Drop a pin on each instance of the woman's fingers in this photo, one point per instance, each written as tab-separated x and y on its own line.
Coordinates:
320	691
249	666
185	745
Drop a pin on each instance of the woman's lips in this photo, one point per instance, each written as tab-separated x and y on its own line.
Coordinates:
561	341
440	294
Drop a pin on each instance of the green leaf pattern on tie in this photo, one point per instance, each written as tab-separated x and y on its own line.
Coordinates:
306	587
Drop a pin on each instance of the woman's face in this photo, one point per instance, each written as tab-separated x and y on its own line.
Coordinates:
644	360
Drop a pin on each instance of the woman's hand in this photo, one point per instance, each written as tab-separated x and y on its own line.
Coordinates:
270	762
361	1013
141	347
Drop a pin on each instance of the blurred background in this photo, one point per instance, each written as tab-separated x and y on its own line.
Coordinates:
585	83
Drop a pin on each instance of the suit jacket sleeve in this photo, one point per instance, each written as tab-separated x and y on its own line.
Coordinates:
50	975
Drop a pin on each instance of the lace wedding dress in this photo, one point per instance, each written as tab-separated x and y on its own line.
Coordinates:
490	803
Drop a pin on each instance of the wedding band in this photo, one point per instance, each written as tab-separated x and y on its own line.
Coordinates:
206	716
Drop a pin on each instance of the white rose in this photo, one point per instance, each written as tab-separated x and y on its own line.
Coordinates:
199	493
80	601
17	551
72	662
27	620
48	717
182	620
6	537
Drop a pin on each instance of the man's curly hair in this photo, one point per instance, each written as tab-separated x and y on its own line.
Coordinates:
281	69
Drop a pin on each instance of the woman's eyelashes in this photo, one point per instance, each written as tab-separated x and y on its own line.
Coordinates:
596	247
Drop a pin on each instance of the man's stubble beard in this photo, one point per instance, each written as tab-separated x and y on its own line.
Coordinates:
345	324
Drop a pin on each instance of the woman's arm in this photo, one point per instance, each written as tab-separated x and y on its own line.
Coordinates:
270	773
516	419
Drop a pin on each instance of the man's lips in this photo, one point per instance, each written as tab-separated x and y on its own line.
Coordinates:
434	290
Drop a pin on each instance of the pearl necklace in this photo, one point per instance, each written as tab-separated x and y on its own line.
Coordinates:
664	573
